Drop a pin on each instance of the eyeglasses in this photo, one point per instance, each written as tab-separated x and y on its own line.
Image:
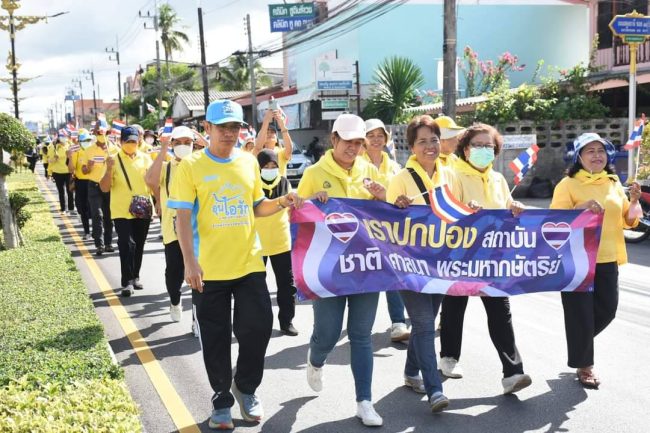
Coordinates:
482	145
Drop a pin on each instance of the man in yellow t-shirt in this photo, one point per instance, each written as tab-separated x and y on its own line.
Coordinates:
217	194
75	164
93	164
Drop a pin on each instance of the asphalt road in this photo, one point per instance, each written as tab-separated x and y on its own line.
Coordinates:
555	402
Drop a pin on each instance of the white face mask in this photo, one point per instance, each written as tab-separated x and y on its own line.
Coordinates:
85	144
149	140
182	150
269	174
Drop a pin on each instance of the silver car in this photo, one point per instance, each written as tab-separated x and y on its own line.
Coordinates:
296	167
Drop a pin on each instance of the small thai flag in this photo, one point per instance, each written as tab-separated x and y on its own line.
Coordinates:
75	147
245	134
169	126
636	137
447	207
523	162
98	159
63	132
118	124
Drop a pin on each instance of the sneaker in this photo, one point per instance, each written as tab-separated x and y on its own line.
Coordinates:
221	419
289	330
175	312
128	290
109	249
450	368
72	212
366	412
438	402
86	237
314	375
416	383
515	383
195	329
137	285
399	332
99	251
249	405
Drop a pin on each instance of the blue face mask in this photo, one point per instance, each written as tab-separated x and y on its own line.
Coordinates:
481	157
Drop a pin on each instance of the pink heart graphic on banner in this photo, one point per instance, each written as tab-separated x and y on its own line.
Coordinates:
342	225
556	234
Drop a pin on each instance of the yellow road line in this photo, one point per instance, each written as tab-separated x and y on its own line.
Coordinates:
170	398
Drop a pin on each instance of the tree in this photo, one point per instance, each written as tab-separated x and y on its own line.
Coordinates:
13	137
179	77
237	75
397	80
171	38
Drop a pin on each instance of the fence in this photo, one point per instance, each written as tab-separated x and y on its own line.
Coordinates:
553	138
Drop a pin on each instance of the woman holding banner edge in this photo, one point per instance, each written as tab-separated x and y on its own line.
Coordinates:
591	184
423	172
482	187
342	173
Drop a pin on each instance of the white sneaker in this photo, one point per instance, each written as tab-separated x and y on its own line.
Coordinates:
314	375
399	332
515	383
450	368
195	329
416	383
128	290
175	312
366	412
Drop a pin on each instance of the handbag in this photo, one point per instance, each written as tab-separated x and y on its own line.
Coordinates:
140	206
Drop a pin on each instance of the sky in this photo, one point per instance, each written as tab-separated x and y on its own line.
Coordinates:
58	51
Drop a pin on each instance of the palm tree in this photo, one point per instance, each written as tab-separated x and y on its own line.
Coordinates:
397	80
237	77
171	38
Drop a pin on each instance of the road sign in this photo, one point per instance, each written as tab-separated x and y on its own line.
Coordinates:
334	74
291	17
335	104
331	115
630	24
634	39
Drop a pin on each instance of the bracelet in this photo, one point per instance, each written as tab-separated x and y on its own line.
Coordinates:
284	130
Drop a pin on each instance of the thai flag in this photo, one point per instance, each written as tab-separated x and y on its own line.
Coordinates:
71	130
447	207
74	148
63	132
150	108
636	137
101	118
118	124
523	162
169	126
245	134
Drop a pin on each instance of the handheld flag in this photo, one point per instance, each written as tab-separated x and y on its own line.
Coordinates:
636	136
150	108
118	124
169	126
447	207
245	134
63	133
523	162
74	148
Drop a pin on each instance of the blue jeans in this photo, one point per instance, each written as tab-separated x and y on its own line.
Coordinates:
328	322
421	354
395	307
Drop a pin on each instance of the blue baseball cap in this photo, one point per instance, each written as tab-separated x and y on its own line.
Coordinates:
224	111
130	133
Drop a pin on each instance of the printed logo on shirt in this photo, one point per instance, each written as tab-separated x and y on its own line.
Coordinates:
230	206
210	178
327	185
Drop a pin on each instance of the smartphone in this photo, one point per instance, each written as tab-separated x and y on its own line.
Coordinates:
273	104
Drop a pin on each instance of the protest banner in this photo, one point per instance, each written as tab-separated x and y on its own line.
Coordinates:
348	246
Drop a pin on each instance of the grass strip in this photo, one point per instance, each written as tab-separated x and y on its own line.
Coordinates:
56	373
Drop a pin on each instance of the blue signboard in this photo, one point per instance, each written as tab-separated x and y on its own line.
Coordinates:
291	17
334	85
623	25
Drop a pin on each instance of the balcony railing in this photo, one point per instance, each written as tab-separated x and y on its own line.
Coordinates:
621	53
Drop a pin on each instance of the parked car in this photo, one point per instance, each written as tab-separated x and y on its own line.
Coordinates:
296	167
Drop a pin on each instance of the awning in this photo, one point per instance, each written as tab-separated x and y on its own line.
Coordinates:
613	83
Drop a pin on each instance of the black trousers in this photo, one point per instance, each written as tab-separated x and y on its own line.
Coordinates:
281	264
131	235
174	271
45	164
62	181
100	211
588	314
499	326
81	202
252	322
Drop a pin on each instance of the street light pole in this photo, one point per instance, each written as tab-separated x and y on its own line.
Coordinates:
204	68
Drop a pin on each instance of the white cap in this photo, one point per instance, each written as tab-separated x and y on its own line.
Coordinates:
372	124
182	132
349	126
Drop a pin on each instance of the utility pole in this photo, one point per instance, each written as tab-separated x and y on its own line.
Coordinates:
251	69
116	51
204	68
158	71
81	95
90	75
358	79
449	59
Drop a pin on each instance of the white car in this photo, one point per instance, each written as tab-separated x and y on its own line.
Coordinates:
296	167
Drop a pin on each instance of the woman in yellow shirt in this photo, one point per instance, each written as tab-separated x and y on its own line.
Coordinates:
342	173
58	169
482	187
374	152
124	178
591	184
424	171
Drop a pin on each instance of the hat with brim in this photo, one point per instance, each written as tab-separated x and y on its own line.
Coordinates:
448	128
224	111
448	134
129	134
372	124
182	132
349	127
590	137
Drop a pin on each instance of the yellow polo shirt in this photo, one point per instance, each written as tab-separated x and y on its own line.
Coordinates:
387	169
98	155
403	183
571	191
76	158
282	160
327	175
222	194
448	160
490	189
168	214
56	156
121	194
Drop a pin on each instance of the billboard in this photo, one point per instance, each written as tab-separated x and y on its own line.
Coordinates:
291	17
